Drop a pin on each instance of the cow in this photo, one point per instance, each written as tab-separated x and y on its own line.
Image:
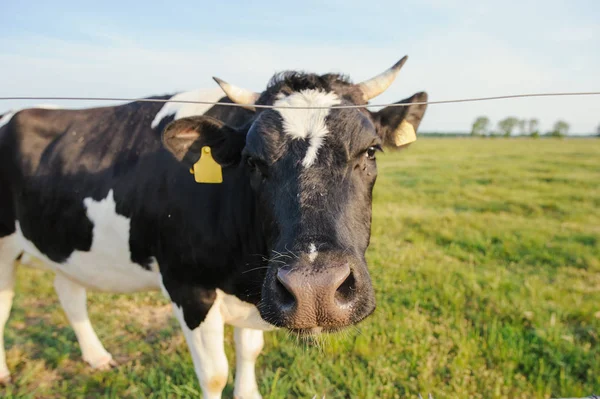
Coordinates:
108	198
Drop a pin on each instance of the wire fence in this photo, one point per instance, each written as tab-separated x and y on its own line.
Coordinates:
155	100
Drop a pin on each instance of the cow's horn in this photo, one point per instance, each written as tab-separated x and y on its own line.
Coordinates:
375	86
238	95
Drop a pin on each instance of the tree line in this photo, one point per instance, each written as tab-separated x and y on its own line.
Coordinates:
525	127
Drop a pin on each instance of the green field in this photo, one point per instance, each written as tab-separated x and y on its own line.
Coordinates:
485	257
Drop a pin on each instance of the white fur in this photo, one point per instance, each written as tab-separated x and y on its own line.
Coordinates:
107	266
48	106
248	334
239	313
248	344
206	344
182	110
312	253
207	347
6	118
9	250
72	297
307	124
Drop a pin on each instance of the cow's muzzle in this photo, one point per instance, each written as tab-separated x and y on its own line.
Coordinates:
325	295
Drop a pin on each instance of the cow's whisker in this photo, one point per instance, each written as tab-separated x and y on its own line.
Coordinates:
256	268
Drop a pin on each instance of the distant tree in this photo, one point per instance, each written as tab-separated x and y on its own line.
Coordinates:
522	126
507	125
561	129
532	127
598	131
480	126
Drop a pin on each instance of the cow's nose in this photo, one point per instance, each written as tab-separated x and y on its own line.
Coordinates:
315	298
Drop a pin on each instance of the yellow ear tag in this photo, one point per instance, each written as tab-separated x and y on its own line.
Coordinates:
207	170
404	134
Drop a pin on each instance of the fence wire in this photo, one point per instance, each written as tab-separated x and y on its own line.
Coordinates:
156	100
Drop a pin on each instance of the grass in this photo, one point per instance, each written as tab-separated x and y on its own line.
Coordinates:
485	256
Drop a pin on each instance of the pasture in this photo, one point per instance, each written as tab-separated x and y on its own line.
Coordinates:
485	257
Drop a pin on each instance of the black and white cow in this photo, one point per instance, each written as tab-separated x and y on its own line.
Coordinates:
105	198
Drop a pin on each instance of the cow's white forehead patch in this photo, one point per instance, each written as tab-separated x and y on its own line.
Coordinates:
307	124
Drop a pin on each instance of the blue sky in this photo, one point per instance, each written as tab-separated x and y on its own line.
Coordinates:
456	50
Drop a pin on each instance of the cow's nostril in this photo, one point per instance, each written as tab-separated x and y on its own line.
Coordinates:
284	291
346	291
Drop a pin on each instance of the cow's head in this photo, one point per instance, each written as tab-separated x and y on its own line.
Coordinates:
313	172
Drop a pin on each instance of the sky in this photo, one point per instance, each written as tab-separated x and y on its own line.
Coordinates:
456	50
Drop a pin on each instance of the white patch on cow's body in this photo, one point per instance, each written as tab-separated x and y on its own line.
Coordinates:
182	110
163	289
107	266
9	250
48	106
7	117
312	252
240	314
307	124
234	311
9	114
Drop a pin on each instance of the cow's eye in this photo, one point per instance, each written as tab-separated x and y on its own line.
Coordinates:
257	165
371	151
251	162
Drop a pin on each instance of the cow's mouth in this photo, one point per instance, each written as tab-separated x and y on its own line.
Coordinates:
314	331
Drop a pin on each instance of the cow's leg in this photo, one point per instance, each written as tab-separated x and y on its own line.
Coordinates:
207	347
8	253
72	297
248	344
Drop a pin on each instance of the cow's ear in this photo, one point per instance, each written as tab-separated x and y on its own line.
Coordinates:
185	137
397	126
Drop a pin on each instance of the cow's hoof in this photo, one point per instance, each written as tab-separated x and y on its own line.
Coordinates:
5	379
104	364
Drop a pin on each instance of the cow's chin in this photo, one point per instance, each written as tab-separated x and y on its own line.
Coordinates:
325	330
314	331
